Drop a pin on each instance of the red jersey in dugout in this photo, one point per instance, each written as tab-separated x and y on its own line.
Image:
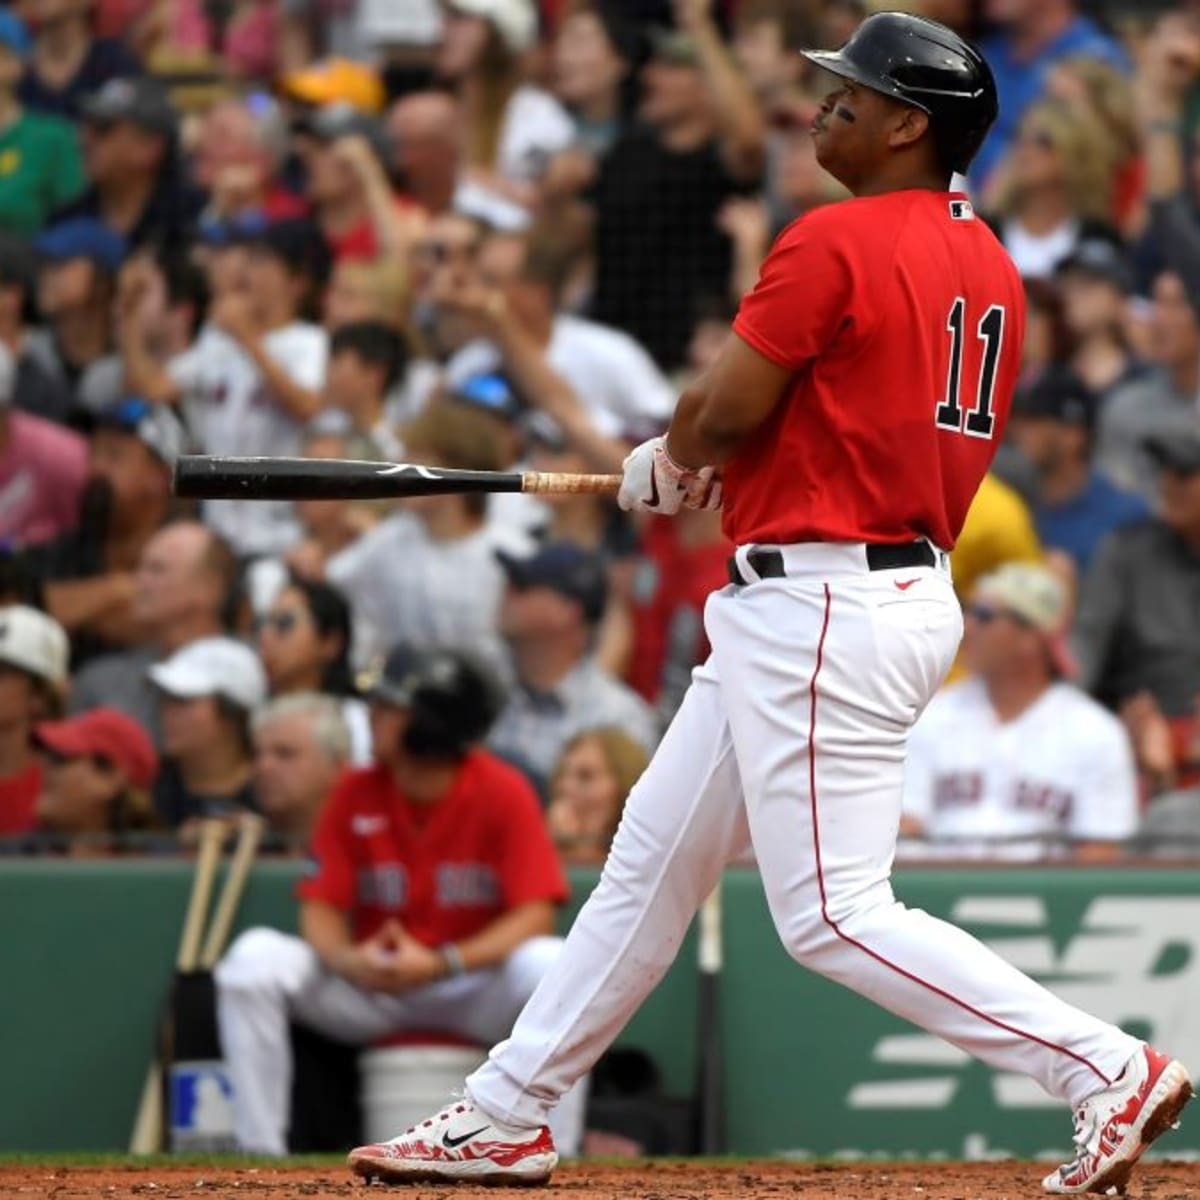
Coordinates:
902	317
443	872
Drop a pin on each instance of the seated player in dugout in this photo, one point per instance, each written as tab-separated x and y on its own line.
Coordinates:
429	904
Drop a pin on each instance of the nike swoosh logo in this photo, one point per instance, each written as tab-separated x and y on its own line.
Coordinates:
653	490
905	584
452	1143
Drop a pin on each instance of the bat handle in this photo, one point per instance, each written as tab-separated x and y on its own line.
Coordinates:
559	483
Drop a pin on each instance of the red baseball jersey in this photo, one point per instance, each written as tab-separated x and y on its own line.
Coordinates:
443	871
902	317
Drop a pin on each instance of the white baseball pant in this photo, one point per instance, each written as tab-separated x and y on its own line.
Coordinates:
793	736
268	979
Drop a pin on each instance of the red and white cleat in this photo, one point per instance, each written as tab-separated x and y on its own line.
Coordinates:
463	1145
1115	1127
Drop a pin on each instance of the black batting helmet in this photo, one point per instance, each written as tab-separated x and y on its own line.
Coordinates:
451	698
925	65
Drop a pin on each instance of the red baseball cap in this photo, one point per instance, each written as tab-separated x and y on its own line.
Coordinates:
103	733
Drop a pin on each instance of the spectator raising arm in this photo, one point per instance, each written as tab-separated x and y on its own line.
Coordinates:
740	124
525	360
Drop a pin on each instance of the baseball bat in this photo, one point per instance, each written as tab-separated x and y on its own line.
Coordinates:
249	835
710	1122
148	1124
211	477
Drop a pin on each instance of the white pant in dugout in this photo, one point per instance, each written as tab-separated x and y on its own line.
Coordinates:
793	736
270	978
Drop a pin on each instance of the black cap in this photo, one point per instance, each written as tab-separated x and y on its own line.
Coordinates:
452	699
1178	451
1101	259
1057	394
926	65
137	99
566	568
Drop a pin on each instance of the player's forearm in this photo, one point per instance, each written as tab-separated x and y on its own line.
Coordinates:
698	437
495	942
327	930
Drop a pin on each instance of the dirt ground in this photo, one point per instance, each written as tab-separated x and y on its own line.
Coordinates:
642	1181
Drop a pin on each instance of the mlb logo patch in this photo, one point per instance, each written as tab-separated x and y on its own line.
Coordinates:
201	1107
961	210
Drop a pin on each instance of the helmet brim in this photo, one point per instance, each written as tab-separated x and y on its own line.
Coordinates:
836	64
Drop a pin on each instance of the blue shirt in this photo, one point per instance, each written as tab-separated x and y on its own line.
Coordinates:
1080	524
1020	82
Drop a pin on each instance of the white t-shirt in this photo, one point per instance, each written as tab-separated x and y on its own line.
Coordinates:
614	377
230	411
536	127
404	586
1036	255
1061	770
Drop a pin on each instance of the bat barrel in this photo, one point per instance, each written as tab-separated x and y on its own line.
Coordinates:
205	477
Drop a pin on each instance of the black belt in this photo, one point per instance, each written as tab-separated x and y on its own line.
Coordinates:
768	564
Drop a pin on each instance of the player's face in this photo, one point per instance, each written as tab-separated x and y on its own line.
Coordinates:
853	131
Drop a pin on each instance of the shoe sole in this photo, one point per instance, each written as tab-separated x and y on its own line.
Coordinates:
1173	1090
470	1173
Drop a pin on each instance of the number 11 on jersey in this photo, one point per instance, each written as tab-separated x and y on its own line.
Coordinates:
950	415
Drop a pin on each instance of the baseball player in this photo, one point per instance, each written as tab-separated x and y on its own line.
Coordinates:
844	428
427	907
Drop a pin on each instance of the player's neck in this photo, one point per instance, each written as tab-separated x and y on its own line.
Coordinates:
1012	694
900	178
423	782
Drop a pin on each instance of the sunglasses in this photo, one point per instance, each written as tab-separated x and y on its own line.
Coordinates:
985	614
277	622
443	252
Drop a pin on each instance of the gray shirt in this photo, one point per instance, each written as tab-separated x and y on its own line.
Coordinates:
1144	407
535	726
120	681
1138	625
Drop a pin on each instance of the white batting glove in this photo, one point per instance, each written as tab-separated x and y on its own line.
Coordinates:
653	481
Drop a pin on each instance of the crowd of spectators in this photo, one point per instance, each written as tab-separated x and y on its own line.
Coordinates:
488	234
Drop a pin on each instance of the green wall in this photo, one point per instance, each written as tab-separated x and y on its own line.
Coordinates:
86	951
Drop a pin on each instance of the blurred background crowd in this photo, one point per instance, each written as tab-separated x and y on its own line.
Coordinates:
495	233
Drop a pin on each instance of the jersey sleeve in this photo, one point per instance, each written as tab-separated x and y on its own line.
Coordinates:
528	863
331	876
807	291
1105	804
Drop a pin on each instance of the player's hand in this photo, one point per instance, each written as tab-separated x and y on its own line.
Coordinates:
653	482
